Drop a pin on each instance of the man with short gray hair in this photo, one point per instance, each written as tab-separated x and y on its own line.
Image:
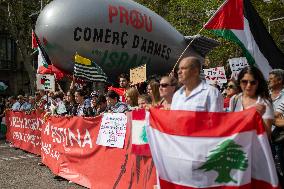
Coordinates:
275	83
195	94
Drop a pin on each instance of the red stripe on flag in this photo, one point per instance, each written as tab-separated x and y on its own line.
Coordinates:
205	124
34	42
141	150
255	184
139	114
229	16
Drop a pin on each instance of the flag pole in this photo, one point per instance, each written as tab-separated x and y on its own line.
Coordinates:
186	49
171	73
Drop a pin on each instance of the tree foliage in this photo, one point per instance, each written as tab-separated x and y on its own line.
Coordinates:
188	17
17	22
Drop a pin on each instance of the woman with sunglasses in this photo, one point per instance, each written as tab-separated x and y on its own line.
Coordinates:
167	88
231	90
254	94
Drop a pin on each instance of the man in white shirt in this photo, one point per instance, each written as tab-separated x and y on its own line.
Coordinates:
195	94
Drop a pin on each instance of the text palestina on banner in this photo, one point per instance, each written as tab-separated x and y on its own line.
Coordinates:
68	137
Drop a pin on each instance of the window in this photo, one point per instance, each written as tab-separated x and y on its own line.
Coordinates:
7	53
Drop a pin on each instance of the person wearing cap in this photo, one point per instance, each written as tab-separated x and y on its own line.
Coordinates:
195	94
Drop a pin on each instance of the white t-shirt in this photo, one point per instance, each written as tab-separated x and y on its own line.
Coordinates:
238	106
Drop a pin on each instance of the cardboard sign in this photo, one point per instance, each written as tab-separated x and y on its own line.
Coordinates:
45	82
112	130
138	75
215	75
236	65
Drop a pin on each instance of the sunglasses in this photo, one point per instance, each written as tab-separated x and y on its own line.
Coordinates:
245	82
164	85
231	87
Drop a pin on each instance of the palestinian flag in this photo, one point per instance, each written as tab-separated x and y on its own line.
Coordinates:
42	65
43	58
238	21
140	144
211	150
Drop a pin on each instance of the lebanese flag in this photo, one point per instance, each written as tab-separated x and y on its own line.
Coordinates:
211	150
238	21
140	144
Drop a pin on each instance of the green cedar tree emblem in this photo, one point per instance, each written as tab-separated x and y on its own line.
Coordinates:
143	135
224	159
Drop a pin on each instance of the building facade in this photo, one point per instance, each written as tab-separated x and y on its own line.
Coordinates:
12	71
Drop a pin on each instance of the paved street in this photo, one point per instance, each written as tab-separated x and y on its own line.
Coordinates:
19	169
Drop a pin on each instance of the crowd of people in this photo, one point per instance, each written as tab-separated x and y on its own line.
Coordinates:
186	92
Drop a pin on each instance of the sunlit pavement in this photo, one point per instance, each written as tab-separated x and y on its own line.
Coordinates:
19	169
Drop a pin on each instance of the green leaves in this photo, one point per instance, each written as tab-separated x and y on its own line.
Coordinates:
188	17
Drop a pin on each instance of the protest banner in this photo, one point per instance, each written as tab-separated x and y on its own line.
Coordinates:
45	82
215	75
24	130
69	149
236	65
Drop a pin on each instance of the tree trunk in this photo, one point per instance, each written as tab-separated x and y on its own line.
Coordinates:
28	66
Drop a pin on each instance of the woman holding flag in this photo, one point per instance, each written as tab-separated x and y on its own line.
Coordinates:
254	94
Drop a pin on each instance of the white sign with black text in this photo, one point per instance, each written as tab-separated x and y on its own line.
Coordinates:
215	75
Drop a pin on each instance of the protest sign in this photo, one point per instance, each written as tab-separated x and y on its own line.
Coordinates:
236	65
45	82
215	75
112	130
138	75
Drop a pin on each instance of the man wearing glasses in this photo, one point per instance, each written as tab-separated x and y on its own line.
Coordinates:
195	94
